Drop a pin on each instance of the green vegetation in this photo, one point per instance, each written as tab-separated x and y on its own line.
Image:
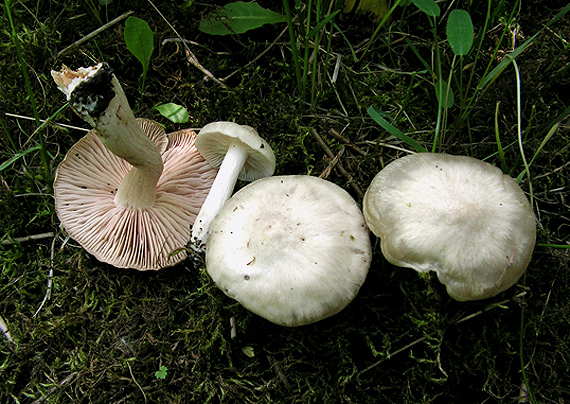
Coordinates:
338	95
139	40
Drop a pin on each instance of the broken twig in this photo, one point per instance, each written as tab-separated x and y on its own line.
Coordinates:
330	154
28	238
94	33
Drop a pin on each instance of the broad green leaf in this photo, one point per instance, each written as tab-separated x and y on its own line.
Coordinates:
237	18
377	116
429	7
176	113
460	32
139	39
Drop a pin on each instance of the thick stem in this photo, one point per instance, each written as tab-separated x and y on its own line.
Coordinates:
138	189
123	136
97	96
220	192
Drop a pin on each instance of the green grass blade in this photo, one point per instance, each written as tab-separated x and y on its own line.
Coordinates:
560	246
7	134
444	94
549	136
493	74
378	27
39	130
339	30
18	156
43	149
376	115
426	65
500	149
322	23
294	49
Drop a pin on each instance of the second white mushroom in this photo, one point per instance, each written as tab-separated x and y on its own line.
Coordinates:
292	249
239	153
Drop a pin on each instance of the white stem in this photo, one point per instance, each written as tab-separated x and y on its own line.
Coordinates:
122	134
220	192
118	129
138	189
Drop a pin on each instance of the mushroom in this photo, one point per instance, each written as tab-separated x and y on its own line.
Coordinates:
292	249
239	153
126	192
455	215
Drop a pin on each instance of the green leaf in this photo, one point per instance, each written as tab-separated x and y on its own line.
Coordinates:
248	351
139	39
237	18
429	7
176	113
161	373
376	114
460	32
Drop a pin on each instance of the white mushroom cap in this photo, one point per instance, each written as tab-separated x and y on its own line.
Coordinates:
292	249
215	138
241	154
85	190
458	216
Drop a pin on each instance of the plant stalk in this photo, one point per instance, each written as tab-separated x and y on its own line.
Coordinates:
43	150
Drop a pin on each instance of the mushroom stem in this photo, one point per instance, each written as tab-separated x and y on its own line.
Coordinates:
219	193
97	96
123	136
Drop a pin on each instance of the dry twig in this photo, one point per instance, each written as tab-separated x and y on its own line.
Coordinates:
189	55
94	33
339	166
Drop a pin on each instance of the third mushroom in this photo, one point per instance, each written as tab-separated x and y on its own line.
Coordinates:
455	215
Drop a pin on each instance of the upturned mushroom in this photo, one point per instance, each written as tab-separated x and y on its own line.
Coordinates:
239	153
126	192
291	249
455	215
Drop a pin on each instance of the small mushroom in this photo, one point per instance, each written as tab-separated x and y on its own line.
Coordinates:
127	192
239	153
455	215
292	249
